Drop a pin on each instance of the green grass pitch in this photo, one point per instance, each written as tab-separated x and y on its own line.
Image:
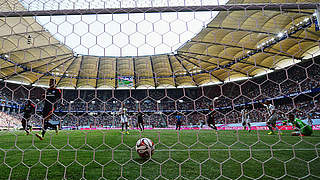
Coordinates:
189	154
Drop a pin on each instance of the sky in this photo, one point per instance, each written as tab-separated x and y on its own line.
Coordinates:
132	34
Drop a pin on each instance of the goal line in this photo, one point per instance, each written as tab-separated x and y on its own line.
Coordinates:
165	150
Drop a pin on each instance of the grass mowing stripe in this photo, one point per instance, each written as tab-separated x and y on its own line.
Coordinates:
110	155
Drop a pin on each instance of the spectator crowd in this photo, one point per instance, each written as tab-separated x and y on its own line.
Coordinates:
99	107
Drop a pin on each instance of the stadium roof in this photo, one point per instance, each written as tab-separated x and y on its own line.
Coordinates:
235	44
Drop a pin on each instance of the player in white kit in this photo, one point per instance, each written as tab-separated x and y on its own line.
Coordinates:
309	117
272	118
245	119
124	118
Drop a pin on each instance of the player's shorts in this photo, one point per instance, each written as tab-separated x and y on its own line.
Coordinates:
23	122
124	119
179	123
272	120
140	121
245	122
47	110
26	116
210	121
306	131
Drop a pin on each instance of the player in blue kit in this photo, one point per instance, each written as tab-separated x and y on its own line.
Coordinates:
178	121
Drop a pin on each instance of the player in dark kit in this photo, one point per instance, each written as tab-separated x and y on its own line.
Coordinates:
28	110
51	97
179	121
211	122
140	121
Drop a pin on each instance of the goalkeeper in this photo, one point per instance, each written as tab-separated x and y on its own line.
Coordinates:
303	129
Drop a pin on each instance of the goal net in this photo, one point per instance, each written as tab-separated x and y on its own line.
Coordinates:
225	89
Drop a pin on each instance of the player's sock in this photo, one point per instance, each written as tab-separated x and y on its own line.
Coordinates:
43	133
271	133
127	129
271	130
57	129
38	136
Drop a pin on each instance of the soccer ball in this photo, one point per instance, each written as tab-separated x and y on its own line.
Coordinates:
145	147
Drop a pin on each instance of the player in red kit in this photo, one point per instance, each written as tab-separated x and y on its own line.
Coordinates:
51	98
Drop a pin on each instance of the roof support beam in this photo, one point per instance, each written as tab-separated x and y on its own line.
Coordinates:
255	31
36	60
32	69
234	46
254	64
313	33
173	75
217	65
224	59
21	34
116	75
25	69
33	47
65	72
239	29
189	74
134	72
98	70
78	76
119	10
211	73
298	12
153	73
70	58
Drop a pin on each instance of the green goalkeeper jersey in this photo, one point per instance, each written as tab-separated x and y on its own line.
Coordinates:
304	128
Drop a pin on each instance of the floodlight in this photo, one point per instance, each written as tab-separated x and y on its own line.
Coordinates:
280	35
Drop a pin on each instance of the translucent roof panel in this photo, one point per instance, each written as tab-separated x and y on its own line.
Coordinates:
128	34
235	44
33	5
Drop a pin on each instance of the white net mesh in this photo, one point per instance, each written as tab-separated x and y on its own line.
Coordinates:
166	62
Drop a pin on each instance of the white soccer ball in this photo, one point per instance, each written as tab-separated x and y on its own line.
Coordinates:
145	147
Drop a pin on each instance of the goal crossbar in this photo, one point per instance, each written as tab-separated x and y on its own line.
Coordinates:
228	7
